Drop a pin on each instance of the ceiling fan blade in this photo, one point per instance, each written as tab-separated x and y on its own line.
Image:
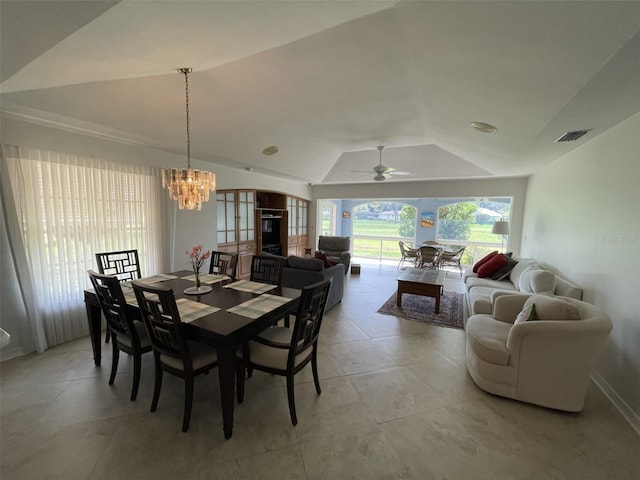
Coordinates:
400	174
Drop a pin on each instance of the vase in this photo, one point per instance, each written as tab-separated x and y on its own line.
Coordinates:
198	289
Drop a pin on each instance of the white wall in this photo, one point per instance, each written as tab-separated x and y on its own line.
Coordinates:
480	188
582	219
187	228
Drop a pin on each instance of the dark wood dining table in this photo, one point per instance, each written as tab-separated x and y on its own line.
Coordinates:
222	329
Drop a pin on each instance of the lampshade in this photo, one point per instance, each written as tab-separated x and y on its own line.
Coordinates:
500	227
190	187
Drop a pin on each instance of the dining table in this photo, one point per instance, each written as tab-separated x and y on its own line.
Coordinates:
222	329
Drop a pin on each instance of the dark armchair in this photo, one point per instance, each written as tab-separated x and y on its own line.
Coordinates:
337	249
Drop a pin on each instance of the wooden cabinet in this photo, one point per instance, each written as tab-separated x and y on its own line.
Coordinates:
297	226
236	210
250	221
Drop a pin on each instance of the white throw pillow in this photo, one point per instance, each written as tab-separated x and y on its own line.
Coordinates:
542	281
524	315
522	265
549	307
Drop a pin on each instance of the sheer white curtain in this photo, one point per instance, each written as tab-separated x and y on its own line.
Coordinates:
66	208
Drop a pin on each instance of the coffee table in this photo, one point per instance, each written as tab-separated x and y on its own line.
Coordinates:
421	281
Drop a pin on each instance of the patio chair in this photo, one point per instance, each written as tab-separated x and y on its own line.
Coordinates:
429	256
408	253
451	258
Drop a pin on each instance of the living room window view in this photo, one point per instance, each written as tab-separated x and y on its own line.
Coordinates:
319	240
375	227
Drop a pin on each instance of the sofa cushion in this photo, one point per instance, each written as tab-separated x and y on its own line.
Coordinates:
524	282
494	264
475	282
549	307
313	264
484	260
542	281
528	314
518	270
488	338
506	270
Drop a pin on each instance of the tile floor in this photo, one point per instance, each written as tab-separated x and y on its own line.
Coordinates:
397	403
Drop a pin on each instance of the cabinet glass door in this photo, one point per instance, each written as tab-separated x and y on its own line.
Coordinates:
246	215
226	221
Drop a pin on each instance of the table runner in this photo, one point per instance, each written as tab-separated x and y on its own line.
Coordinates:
256	307
208	278
251	287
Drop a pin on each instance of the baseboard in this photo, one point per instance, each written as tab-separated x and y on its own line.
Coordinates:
617	401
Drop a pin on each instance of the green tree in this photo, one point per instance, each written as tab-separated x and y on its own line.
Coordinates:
407	221
454	220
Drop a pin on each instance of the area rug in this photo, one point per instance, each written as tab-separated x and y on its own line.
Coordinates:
421	309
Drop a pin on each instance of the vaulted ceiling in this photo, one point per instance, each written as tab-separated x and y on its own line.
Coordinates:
328	81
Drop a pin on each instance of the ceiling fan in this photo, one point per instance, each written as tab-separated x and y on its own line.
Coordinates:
382	172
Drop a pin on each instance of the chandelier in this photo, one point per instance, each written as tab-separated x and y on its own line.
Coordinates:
188	186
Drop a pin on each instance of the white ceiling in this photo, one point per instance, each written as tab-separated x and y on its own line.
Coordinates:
328	81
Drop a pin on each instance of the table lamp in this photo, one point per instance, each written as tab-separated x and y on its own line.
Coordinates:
500	227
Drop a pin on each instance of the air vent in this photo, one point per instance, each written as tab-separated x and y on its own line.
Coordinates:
572	136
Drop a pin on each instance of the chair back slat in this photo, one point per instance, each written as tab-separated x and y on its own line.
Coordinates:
266	269
124	264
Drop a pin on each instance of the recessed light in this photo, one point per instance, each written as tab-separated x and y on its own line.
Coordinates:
484	127
249	169
270	150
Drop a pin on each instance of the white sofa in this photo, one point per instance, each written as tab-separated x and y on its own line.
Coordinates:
527	277
547	361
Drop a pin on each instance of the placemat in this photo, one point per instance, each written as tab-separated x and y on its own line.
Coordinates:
208	278
251	287
161	277
190	310
256	307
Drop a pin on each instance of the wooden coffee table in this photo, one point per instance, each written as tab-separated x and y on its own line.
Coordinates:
421	281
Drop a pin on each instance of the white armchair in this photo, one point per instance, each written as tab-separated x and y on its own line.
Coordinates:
547	361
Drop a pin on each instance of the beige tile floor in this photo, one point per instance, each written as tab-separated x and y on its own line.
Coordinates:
397	403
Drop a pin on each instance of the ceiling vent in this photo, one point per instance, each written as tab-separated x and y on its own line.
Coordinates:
572	136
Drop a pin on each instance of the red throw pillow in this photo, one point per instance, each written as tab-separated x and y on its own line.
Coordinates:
323	256
494	264
484	260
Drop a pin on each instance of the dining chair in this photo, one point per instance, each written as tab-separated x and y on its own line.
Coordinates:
429	256
224	263
124	264
172	351
286	351
451	258
408	253
266	269
129	335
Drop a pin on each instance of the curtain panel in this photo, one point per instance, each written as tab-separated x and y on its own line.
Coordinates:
61	210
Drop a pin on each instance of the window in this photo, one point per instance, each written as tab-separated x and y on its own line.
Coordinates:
70	208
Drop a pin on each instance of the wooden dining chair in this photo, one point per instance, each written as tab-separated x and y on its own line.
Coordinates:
286	351
128	335
224	263
172	351
124	264
266	269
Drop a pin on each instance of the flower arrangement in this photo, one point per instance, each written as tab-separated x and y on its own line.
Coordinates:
197	258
